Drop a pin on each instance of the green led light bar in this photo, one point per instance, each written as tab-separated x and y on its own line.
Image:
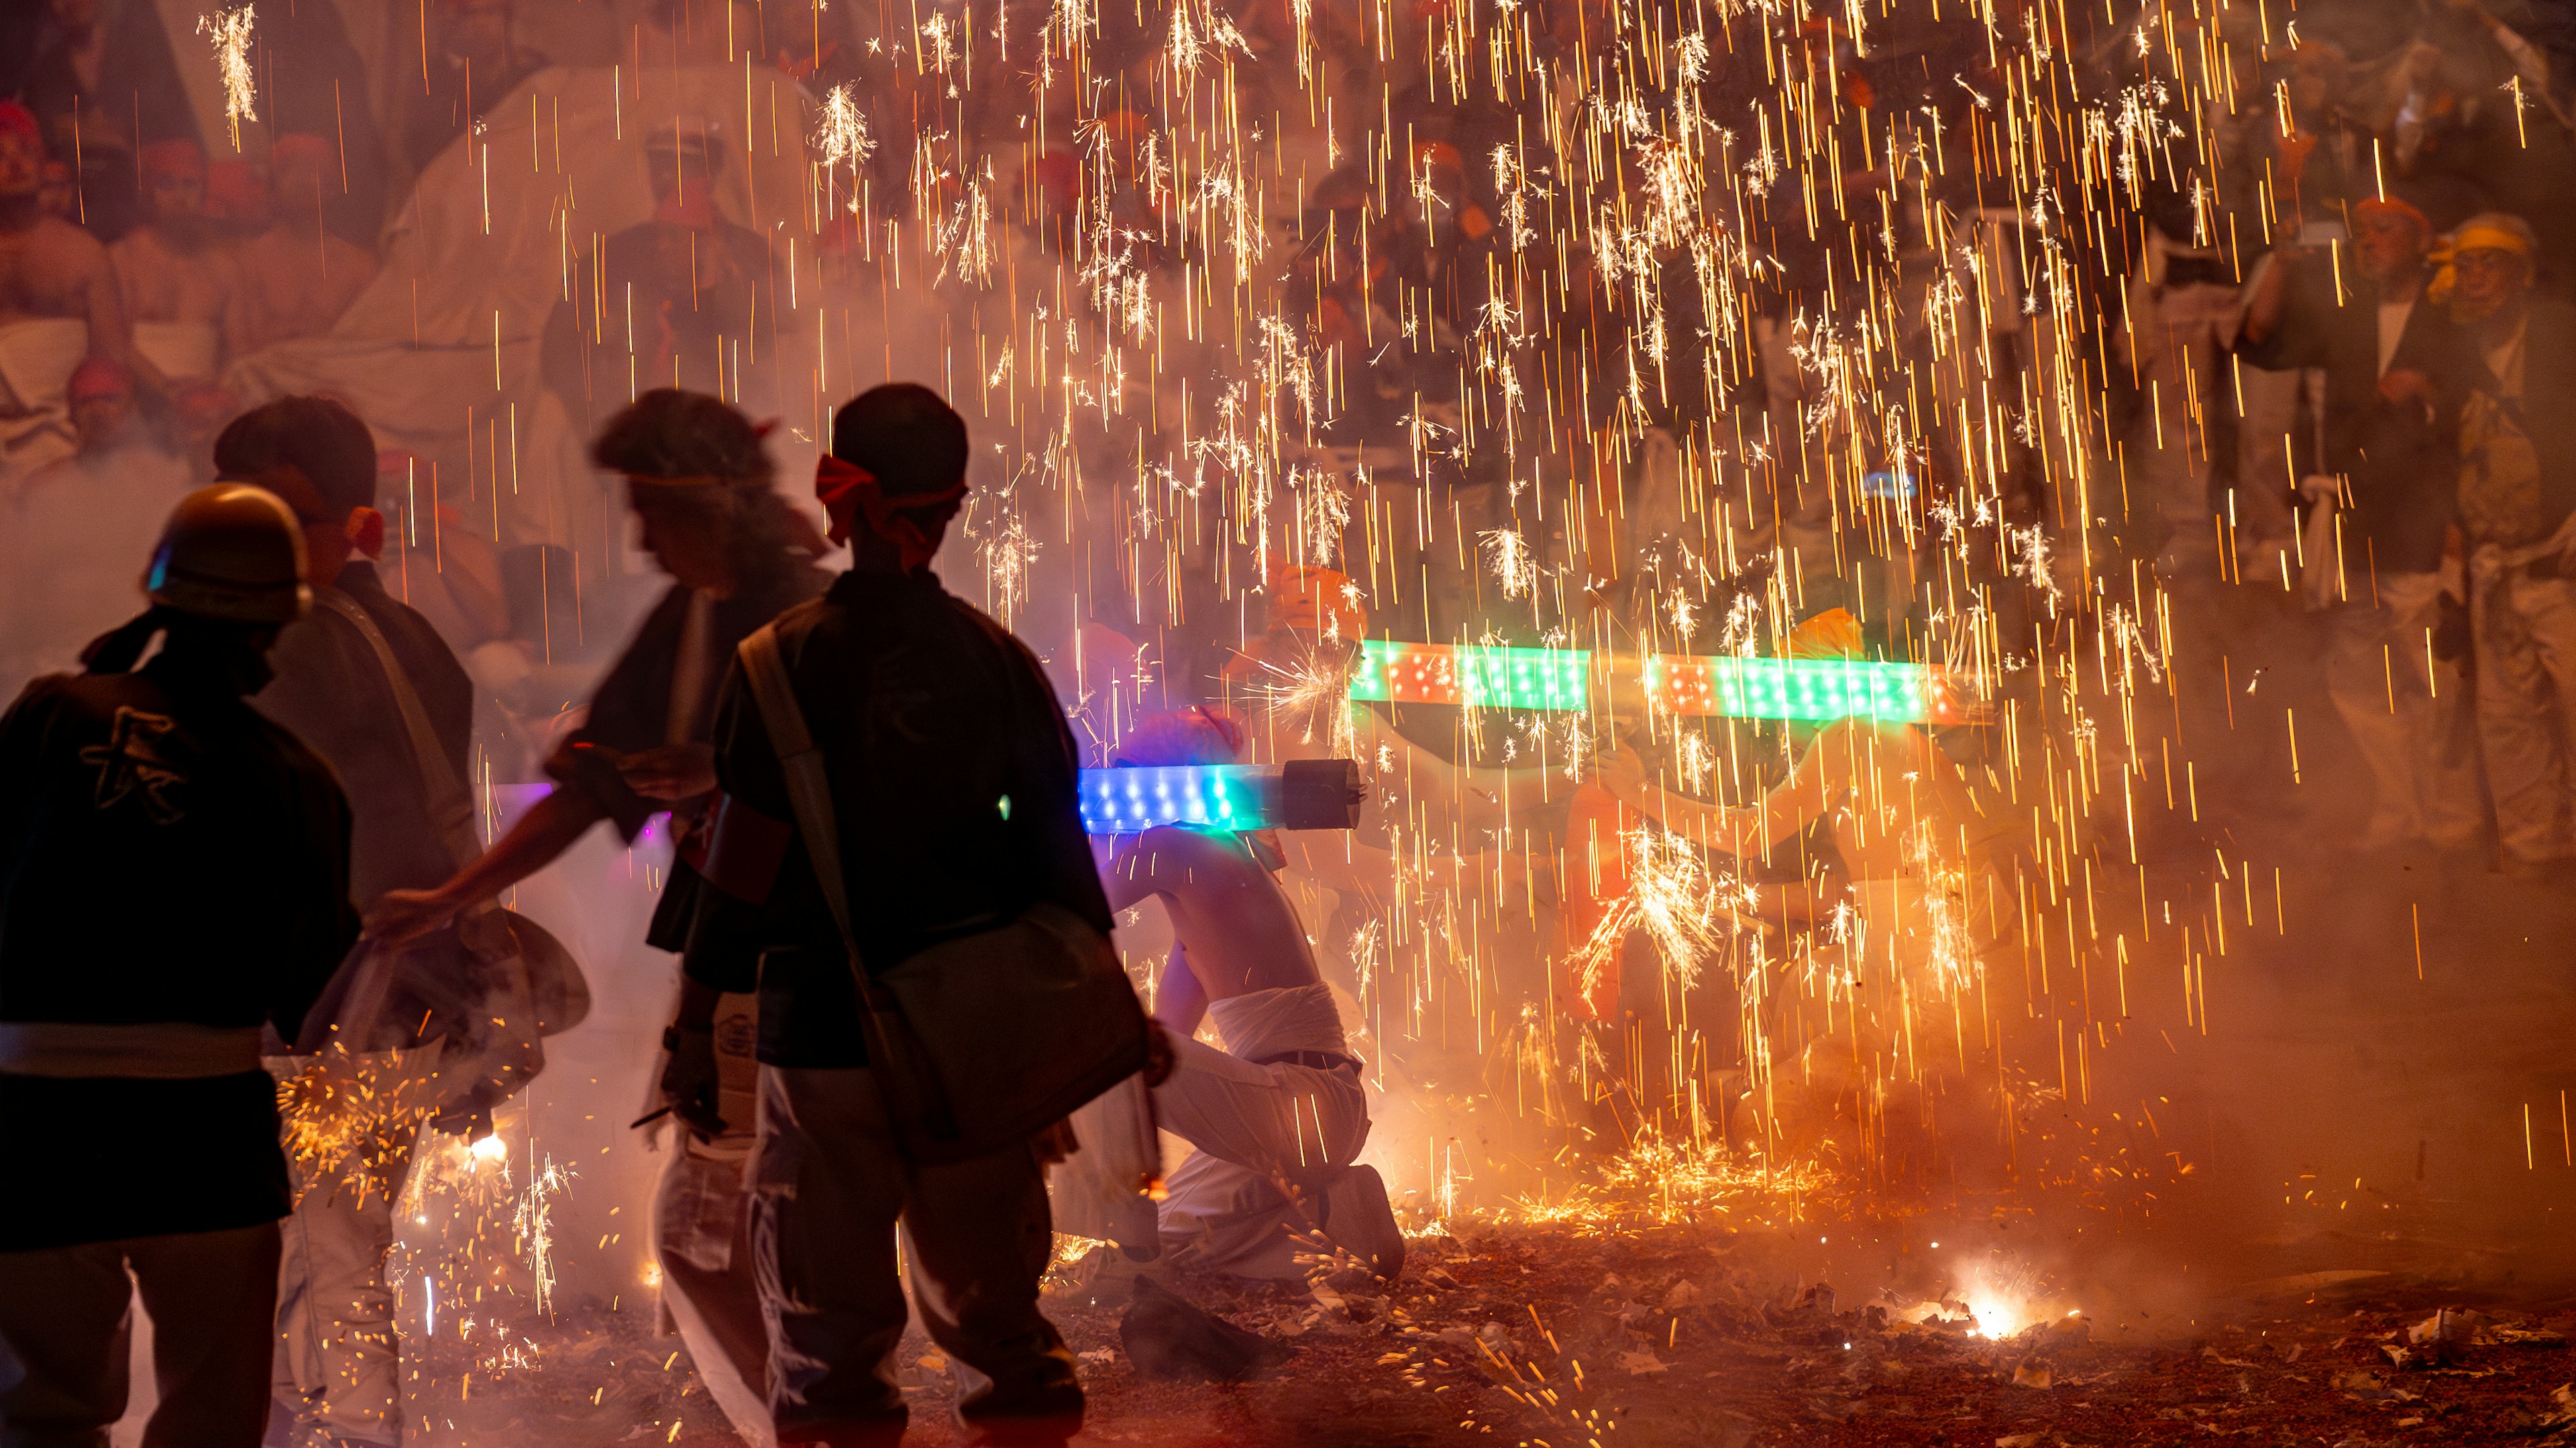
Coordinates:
1804	690
1475	676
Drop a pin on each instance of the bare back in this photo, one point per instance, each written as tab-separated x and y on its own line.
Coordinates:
293	284
1235	925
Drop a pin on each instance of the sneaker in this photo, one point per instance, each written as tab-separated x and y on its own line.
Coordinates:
1359	1220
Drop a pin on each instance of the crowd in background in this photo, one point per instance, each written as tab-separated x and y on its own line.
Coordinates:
1375	379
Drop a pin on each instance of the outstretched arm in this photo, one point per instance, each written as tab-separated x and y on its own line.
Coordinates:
540	836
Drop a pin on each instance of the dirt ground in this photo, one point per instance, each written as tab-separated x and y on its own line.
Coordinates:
1679	1336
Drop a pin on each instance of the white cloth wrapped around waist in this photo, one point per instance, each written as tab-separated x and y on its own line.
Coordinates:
157	1050
1280	1117
179	349
1273	1022
37	358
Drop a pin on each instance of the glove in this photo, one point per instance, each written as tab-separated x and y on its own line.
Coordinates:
689	1078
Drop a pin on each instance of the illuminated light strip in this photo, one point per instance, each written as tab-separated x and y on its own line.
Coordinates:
1476	676
1804	690
1305	794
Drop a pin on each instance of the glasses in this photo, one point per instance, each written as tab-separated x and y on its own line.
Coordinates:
2488	259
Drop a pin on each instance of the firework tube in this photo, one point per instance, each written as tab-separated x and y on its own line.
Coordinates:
1302	794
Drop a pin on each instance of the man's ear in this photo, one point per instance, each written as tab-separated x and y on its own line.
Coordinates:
367	532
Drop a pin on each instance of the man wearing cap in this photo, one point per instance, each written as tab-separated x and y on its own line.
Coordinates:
698	476
177	275
2517	510
2395	376
687	280
951	772
74	526
131	1096
336	1369
296	277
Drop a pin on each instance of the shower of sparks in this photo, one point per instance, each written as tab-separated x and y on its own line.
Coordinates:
229	31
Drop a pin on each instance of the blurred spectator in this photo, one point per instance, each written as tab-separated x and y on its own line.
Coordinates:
2517	496
104	69
177	274
687	280
58	302
474	59
296	278
2395	370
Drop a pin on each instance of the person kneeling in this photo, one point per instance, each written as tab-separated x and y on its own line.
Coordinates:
1279	1115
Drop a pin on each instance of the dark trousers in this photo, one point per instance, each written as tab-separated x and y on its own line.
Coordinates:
64	1324
829	1188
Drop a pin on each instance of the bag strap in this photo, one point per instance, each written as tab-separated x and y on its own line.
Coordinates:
808	789
451	805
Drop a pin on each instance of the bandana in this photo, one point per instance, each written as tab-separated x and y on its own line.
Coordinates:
2445	257
845	488
16	119
2391	206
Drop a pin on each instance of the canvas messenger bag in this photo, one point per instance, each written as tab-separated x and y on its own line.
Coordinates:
980	1041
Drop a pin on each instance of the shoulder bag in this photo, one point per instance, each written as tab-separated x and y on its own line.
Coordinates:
982	1041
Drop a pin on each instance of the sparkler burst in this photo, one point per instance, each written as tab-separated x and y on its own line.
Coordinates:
229	31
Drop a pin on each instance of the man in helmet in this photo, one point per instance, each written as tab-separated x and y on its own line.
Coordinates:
131	1094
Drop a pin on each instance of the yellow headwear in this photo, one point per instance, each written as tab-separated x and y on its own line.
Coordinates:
1833	634
2474	236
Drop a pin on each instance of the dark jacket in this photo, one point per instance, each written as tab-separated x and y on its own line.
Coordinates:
166	855
632	711
952	774
2402	469
330	692
2547	407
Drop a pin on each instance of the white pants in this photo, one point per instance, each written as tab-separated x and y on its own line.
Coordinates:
2407	715
338	1365
710	1294
1255	1127
2526	709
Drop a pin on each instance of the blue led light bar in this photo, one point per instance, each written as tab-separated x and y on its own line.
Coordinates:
1304	794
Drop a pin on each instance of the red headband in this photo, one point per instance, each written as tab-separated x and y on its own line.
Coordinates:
18	120
2394	207
846	487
